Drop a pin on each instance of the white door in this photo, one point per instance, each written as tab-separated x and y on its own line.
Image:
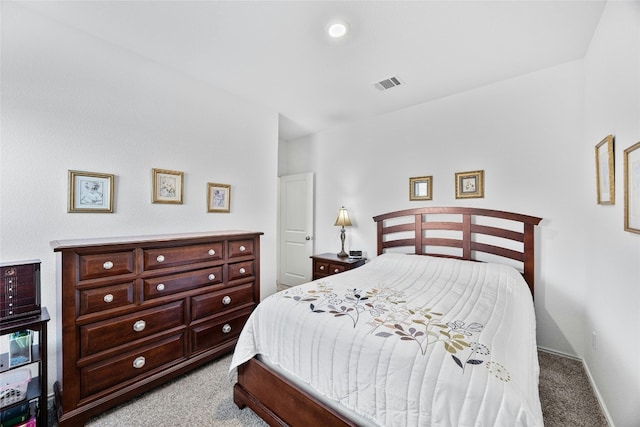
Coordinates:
296	228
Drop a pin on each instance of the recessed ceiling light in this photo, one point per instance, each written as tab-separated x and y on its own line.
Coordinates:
338	29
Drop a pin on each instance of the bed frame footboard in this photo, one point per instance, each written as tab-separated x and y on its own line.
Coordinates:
278	401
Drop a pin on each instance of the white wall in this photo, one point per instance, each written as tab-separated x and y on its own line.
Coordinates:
524	133
534	137
70	101
612	288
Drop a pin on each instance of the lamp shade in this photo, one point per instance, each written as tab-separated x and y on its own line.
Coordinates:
343	218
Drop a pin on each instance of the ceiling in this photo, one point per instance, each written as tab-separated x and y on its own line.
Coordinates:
278	54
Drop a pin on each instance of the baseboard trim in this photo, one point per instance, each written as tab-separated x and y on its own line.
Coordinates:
603	407
594	386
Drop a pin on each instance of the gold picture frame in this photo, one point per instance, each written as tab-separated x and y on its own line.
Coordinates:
218	197
470	184
421	188
168	186
632	188
605	177
90	192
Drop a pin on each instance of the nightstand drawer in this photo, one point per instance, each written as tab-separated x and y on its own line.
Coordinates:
327	268
327	264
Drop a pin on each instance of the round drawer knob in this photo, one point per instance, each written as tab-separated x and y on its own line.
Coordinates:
336	271
139	362
322	267
108	298
242	249
212	252
160	287
160	258
242	271
107	265
226	300
139	325
226	328
212	276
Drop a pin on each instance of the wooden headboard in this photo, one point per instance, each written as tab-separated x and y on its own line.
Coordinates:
463	233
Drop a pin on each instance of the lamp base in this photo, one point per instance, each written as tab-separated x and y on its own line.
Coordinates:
342	253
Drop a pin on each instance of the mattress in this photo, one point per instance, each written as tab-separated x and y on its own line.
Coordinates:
407	340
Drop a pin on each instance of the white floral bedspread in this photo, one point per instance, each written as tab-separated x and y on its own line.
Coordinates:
408	340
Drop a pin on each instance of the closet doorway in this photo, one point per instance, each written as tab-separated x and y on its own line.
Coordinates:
296	228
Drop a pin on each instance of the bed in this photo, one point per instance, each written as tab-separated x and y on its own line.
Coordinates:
423	334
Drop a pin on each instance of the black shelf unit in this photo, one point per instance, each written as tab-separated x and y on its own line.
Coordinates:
37	388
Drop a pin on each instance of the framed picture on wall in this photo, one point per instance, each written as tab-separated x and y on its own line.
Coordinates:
218	197
470	184
605	181
167	186
421	188
632	188
90	192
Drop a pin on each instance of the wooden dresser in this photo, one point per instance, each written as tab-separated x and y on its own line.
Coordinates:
137	312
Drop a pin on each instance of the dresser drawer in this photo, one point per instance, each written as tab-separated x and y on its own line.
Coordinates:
211	334
167	285
100	336
106	297
115	371
216	302
239	270
172	256
239	248
106	265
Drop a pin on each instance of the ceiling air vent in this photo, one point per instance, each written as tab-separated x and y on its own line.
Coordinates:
388	83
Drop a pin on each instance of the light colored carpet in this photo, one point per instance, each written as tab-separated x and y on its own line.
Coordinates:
566	394
204	398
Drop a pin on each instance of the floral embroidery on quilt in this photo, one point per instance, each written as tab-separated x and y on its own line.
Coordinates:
388	314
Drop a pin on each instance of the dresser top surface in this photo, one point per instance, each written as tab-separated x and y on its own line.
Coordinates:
59	245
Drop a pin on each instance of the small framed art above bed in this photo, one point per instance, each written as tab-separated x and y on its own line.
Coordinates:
423	335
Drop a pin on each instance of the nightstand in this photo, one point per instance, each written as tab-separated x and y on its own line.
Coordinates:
327	264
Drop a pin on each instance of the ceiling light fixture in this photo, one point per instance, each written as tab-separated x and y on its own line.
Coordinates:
338	29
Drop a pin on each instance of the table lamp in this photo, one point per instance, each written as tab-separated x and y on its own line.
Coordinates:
343	221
